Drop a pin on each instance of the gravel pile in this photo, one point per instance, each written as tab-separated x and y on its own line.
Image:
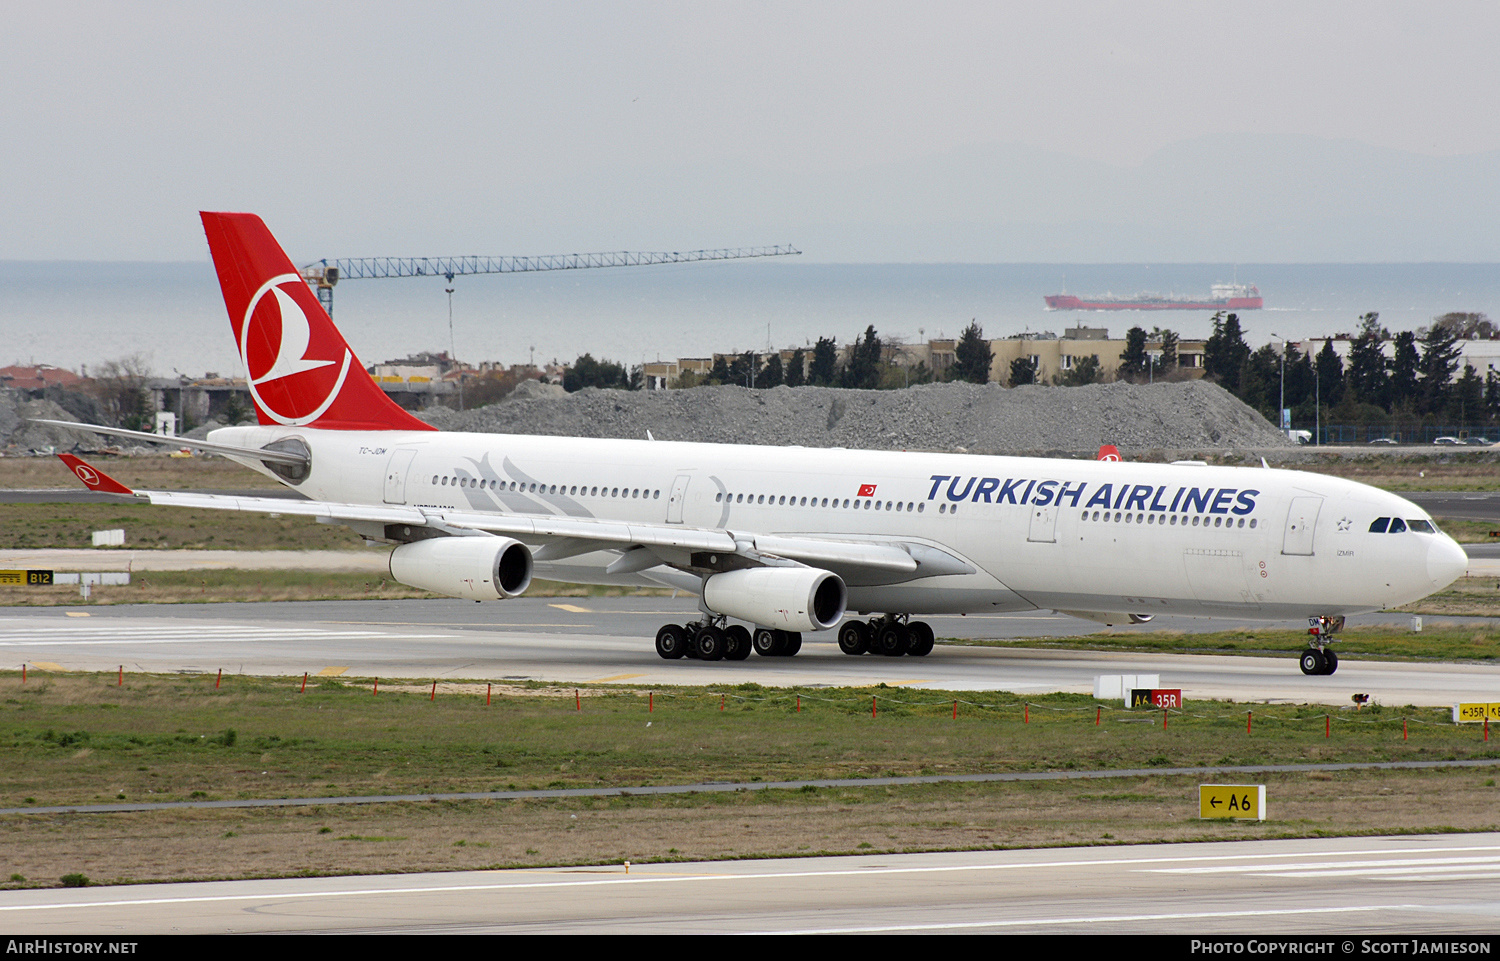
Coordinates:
19	436
946	417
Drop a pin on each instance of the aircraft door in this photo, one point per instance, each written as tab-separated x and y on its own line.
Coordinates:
1043	525
679	495
395	474
1301	523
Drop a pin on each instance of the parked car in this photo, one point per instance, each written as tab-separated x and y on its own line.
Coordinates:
1447	440
1382	440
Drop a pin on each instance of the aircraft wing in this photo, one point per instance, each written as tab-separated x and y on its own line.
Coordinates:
561	536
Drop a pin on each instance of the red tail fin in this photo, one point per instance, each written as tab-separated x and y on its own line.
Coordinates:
1108	452
300	371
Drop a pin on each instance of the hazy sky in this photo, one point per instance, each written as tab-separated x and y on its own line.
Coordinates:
511	128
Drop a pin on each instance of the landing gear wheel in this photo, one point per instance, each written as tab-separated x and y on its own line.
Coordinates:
892	640
1313	662
709	644
793	643
672	642
769	643
1333	662
854	638
922	639
736	643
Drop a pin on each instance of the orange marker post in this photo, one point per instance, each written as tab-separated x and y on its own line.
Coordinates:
121	681
434	692
487	689
219	680
304	683
873	709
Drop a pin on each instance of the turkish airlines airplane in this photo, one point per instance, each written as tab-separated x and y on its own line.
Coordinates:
787	539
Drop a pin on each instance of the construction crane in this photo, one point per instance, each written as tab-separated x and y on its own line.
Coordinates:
324	275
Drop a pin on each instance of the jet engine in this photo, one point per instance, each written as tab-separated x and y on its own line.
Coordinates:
474	568
789	598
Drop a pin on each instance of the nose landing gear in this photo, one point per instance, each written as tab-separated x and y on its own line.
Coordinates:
1319	659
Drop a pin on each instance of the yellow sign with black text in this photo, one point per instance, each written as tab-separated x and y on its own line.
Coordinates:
26	577
1473	713
1245	802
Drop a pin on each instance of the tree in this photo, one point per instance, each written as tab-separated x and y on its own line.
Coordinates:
1468	326
1466	402
1330	374
1368	380
1167	362
1405	367
824	367
119	386
588	372
1260	382
1440	353
1085	370
771	375
972	356
1022	371
719	374
796	371
741	368
1225	352
1135	363
1300	380
863	370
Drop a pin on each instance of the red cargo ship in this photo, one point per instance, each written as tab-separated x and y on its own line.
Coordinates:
1221	297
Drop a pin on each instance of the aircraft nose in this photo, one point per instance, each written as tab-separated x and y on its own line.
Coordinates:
1446	561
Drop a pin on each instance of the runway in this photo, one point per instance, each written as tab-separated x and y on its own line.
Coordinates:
602	640
1409	886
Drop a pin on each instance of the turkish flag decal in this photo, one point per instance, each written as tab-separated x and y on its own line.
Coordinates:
866	490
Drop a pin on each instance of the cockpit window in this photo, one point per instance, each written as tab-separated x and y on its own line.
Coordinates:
1379	525
1421	526
1397	525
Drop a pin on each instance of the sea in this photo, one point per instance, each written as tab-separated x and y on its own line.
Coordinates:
78	314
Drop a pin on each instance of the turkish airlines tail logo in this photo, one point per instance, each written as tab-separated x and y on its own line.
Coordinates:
1109	452
300	371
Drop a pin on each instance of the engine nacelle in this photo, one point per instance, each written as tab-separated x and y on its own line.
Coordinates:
789	598
474	568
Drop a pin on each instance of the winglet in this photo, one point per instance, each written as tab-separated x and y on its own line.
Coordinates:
93	478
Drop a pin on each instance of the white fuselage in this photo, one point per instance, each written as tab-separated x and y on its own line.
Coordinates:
1069	535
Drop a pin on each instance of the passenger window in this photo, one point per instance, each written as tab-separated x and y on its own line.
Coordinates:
1398	526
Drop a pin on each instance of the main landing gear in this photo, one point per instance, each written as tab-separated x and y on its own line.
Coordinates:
713	639
1319	658
892	635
